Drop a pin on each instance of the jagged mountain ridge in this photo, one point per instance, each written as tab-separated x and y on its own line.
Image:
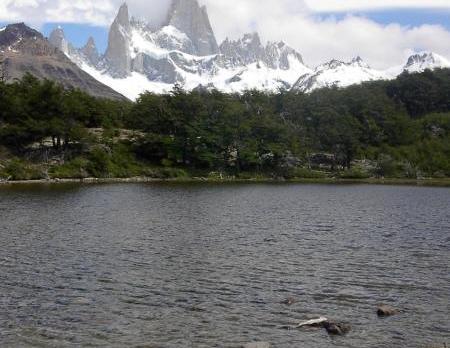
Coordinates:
25	50
184	51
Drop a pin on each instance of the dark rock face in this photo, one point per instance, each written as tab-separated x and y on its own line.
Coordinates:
244	51
191	19
386	311
25	50
118	54
16	32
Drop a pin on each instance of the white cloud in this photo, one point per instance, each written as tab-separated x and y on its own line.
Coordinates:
368	5
95	12
295	21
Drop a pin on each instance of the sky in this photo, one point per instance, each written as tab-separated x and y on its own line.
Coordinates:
382	32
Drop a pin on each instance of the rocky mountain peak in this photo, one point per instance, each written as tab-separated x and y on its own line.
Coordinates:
90	42
21	39
192	19
278	55
251	39
14	33
118	52
425	60
27	51
58	39
335	63
90	52
358	61
123	17
249	50
332	64
420	57
246	50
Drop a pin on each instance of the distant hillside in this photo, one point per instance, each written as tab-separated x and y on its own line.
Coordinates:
24	50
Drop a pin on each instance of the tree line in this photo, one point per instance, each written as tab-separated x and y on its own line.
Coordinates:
398	128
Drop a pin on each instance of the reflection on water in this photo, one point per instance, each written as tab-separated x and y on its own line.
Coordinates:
207	266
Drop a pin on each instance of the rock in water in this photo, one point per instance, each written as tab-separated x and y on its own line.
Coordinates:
339	329
313	322
386	311
289	301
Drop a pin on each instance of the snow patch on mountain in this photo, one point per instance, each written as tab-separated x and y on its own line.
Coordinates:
131	86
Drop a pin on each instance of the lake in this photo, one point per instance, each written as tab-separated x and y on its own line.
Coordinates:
199	265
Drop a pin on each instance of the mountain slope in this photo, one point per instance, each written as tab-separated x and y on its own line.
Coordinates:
25	50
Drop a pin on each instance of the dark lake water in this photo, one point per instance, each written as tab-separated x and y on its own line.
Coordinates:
207	266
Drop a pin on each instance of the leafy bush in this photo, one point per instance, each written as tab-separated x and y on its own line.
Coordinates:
173	173
75	169
99	164
17	169
355	173
387	167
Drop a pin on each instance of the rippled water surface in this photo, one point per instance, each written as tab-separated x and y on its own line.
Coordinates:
207	266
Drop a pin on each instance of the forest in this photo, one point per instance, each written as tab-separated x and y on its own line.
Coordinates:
382	129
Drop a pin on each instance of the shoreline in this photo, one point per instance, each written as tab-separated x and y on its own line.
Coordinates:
136	180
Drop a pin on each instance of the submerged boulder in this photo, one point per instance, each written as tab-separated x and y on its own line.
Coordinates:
289	301
333	328
386	311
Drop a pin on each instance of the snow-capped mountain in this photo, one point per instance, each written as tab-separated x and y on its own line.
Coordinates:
339	74
425	60
342	74
184	51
